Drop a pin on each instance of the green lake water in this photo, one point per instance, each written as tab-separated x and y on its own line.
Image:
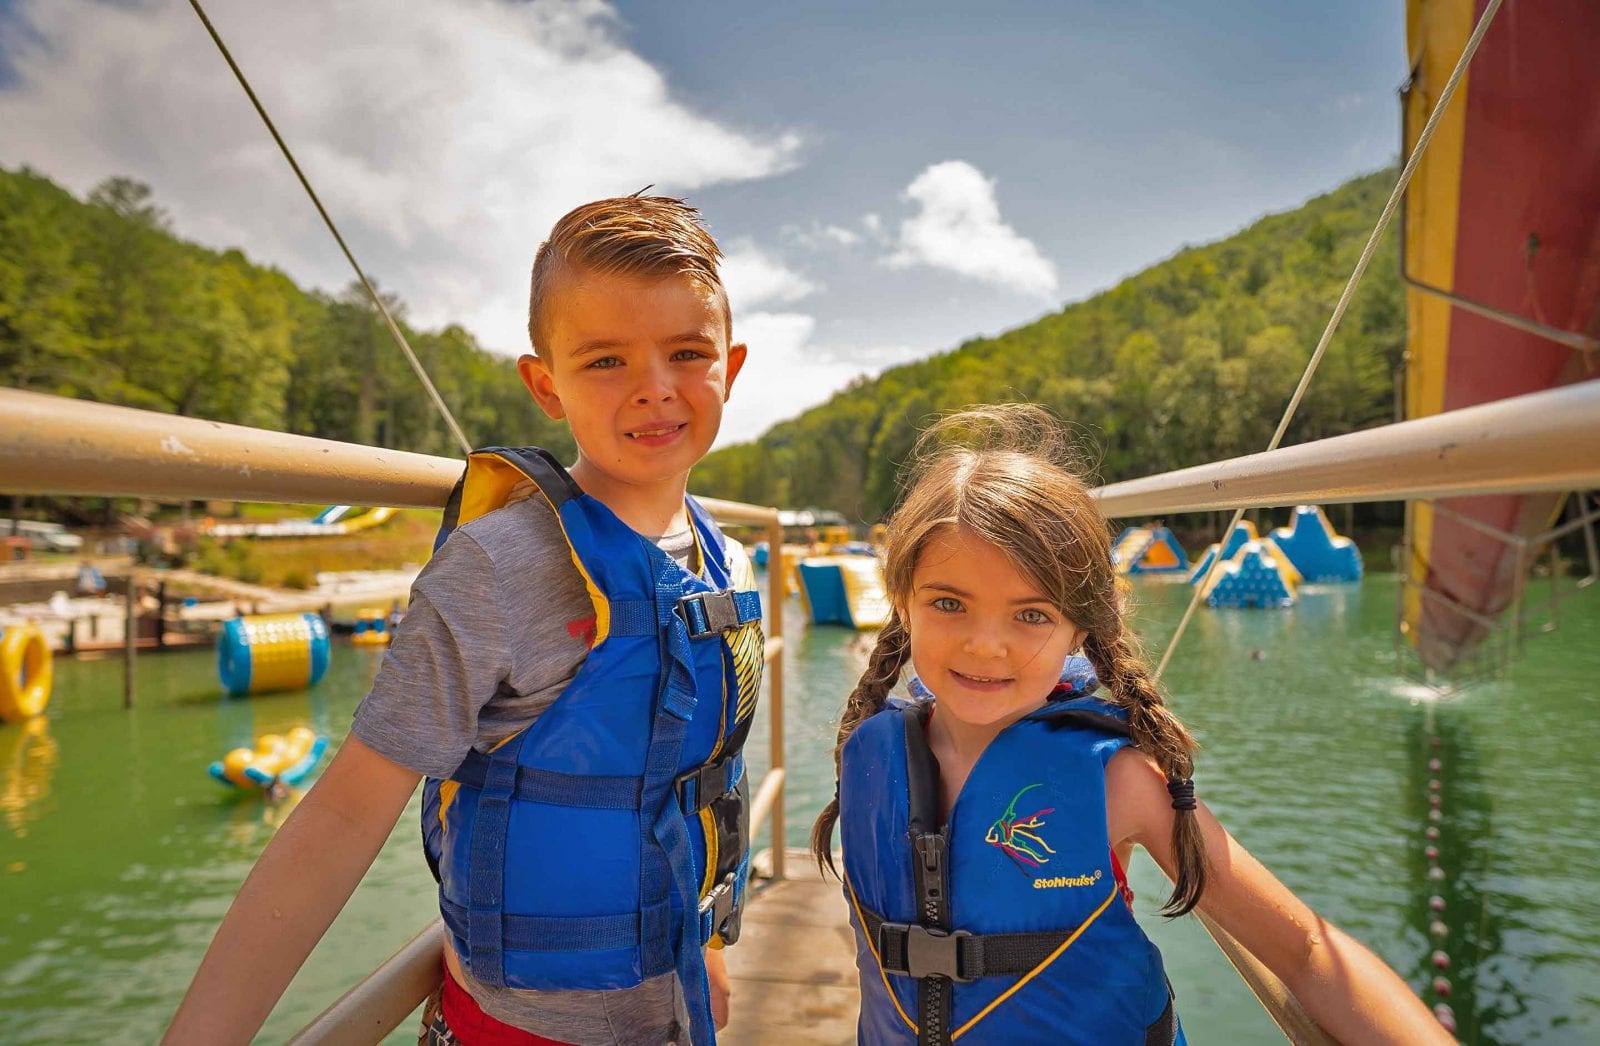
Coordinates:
119	855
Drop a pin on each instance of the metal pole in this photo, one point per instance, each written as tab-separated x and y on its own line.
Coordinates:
130	638
1582	497
777	592
1491	448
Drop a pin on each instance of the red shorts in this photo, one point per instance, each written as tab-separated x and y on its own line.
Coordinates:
466	1023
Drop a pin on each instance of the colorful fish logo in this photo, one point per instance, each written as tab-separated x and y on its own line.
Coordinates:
1015	836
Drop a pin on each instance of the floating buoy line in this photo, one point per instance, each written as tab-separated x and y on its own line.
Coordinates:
1442	987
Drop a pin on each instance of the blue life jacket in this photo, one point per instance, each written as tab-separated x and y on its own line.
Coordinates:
608	842
1006	924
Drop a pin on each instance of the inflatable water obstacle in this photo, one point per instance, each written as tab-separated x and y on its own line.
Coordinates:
1243	532
844	590
276	758
261	653
331	521
1149	550
1254	577
372	627
24	673
1254	572
1315	549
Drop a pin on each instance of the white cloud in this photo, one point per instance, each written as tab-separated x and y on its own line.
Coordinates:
782	376
817	236
787	373
445	138
957	227
754	277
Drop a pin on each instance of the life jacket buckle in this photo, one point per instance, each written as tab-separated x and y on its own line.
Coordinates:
708	613
928	952
707	781
719	906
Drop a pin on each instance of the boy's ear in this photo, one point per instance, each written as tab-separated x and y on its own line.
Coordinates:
541	385
736	356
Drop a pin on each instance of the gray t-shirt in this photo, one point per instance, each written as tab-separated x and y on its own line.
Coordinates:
499	624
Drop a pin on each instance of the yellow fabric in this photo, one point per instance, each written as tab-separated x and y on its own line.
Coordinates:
1436	34
490	480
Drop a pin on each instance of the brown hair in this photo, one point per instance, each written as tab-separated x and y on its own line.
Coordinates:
1002	473
630	236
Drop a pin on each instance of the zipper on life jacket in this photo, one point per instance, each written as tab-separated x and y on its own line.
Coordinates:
930	851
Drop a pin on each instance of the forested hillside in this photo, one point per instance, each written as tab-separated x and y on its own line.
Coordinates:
1189	361
100	301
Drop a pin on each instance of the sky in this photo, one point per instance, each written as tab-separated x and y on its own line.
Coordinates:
887	181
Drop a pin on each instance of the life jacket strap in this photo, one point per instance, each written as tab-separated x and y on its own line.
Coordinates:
912	950
712	613
552	933
700	787
556	789
633	617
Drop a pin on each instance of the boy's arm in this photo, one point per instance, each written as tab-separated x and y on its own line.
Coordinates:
721	987
301	881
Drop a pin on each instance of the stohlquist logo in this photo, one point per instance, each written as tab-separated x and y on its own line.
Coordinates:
1068	880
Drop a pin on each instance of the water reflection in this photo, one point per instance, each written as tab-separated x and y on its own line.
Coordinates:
28	759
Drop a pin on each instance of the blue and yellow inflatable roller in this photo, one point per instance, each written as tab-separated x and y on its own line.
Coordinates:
263	653
24	673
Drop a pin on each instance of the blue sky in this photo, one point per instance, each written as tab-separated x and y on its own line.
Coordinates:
888	180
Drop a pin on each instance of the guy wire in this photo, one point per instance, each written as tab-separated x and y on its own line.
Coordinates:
1344	300
394	328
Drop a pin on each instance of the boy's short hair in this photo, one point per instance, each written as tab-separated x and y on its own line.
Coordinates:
625	235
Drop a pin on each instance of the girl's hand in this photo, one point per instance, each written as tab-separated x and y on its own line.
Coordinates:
1345	988
721	987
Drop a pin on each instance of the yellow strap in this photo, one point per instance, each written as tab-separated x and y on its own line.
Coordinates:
1008	993
1031	974
873	948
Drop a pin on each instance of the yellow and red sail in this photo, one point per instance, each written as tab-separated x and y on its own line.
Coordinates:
1503	211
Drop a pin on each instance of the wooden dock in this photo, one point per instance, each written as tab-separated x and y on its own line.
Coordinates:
794	968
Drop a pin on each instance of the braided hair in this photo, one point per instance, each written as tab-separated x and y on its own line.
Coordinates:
1008	474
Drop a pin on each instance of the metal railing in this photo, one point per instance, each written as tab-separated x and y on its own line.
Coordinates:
52	445
1542	441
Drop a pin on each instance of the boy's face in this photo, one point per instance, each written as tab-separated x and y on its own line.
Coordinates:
639	367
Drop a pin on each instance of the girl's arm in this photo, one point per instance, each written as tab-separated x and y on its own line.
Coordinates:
1345	988
301	881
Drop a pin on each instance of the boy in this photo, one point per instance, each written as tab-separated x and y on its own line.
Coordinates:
575	677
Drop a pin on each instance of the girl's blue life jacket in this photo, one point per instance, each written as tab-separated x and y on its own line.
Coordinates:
608	842
1004	924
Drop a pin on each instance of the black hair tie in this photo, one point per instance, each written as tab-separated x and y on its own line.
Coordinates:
1182	793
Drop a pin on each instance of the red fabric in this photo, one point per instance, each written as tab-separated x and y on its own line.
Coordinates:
1122	881
472	1027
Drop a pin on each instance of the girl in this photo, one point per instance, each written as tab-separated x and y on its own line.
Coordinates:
984	830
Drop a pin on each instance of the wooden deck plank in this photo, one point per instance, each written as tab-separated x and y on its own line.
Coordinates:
793	970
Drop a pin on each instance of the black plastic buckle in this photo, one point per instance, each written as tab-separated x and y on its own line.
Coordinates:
709	780
708	613
724	917
929	953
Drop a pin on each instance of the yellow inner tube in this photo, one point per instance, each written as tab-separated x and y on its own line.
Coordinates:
24	673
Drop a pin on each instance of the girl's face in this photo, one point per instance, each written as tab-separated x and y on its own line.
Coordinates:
984	639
